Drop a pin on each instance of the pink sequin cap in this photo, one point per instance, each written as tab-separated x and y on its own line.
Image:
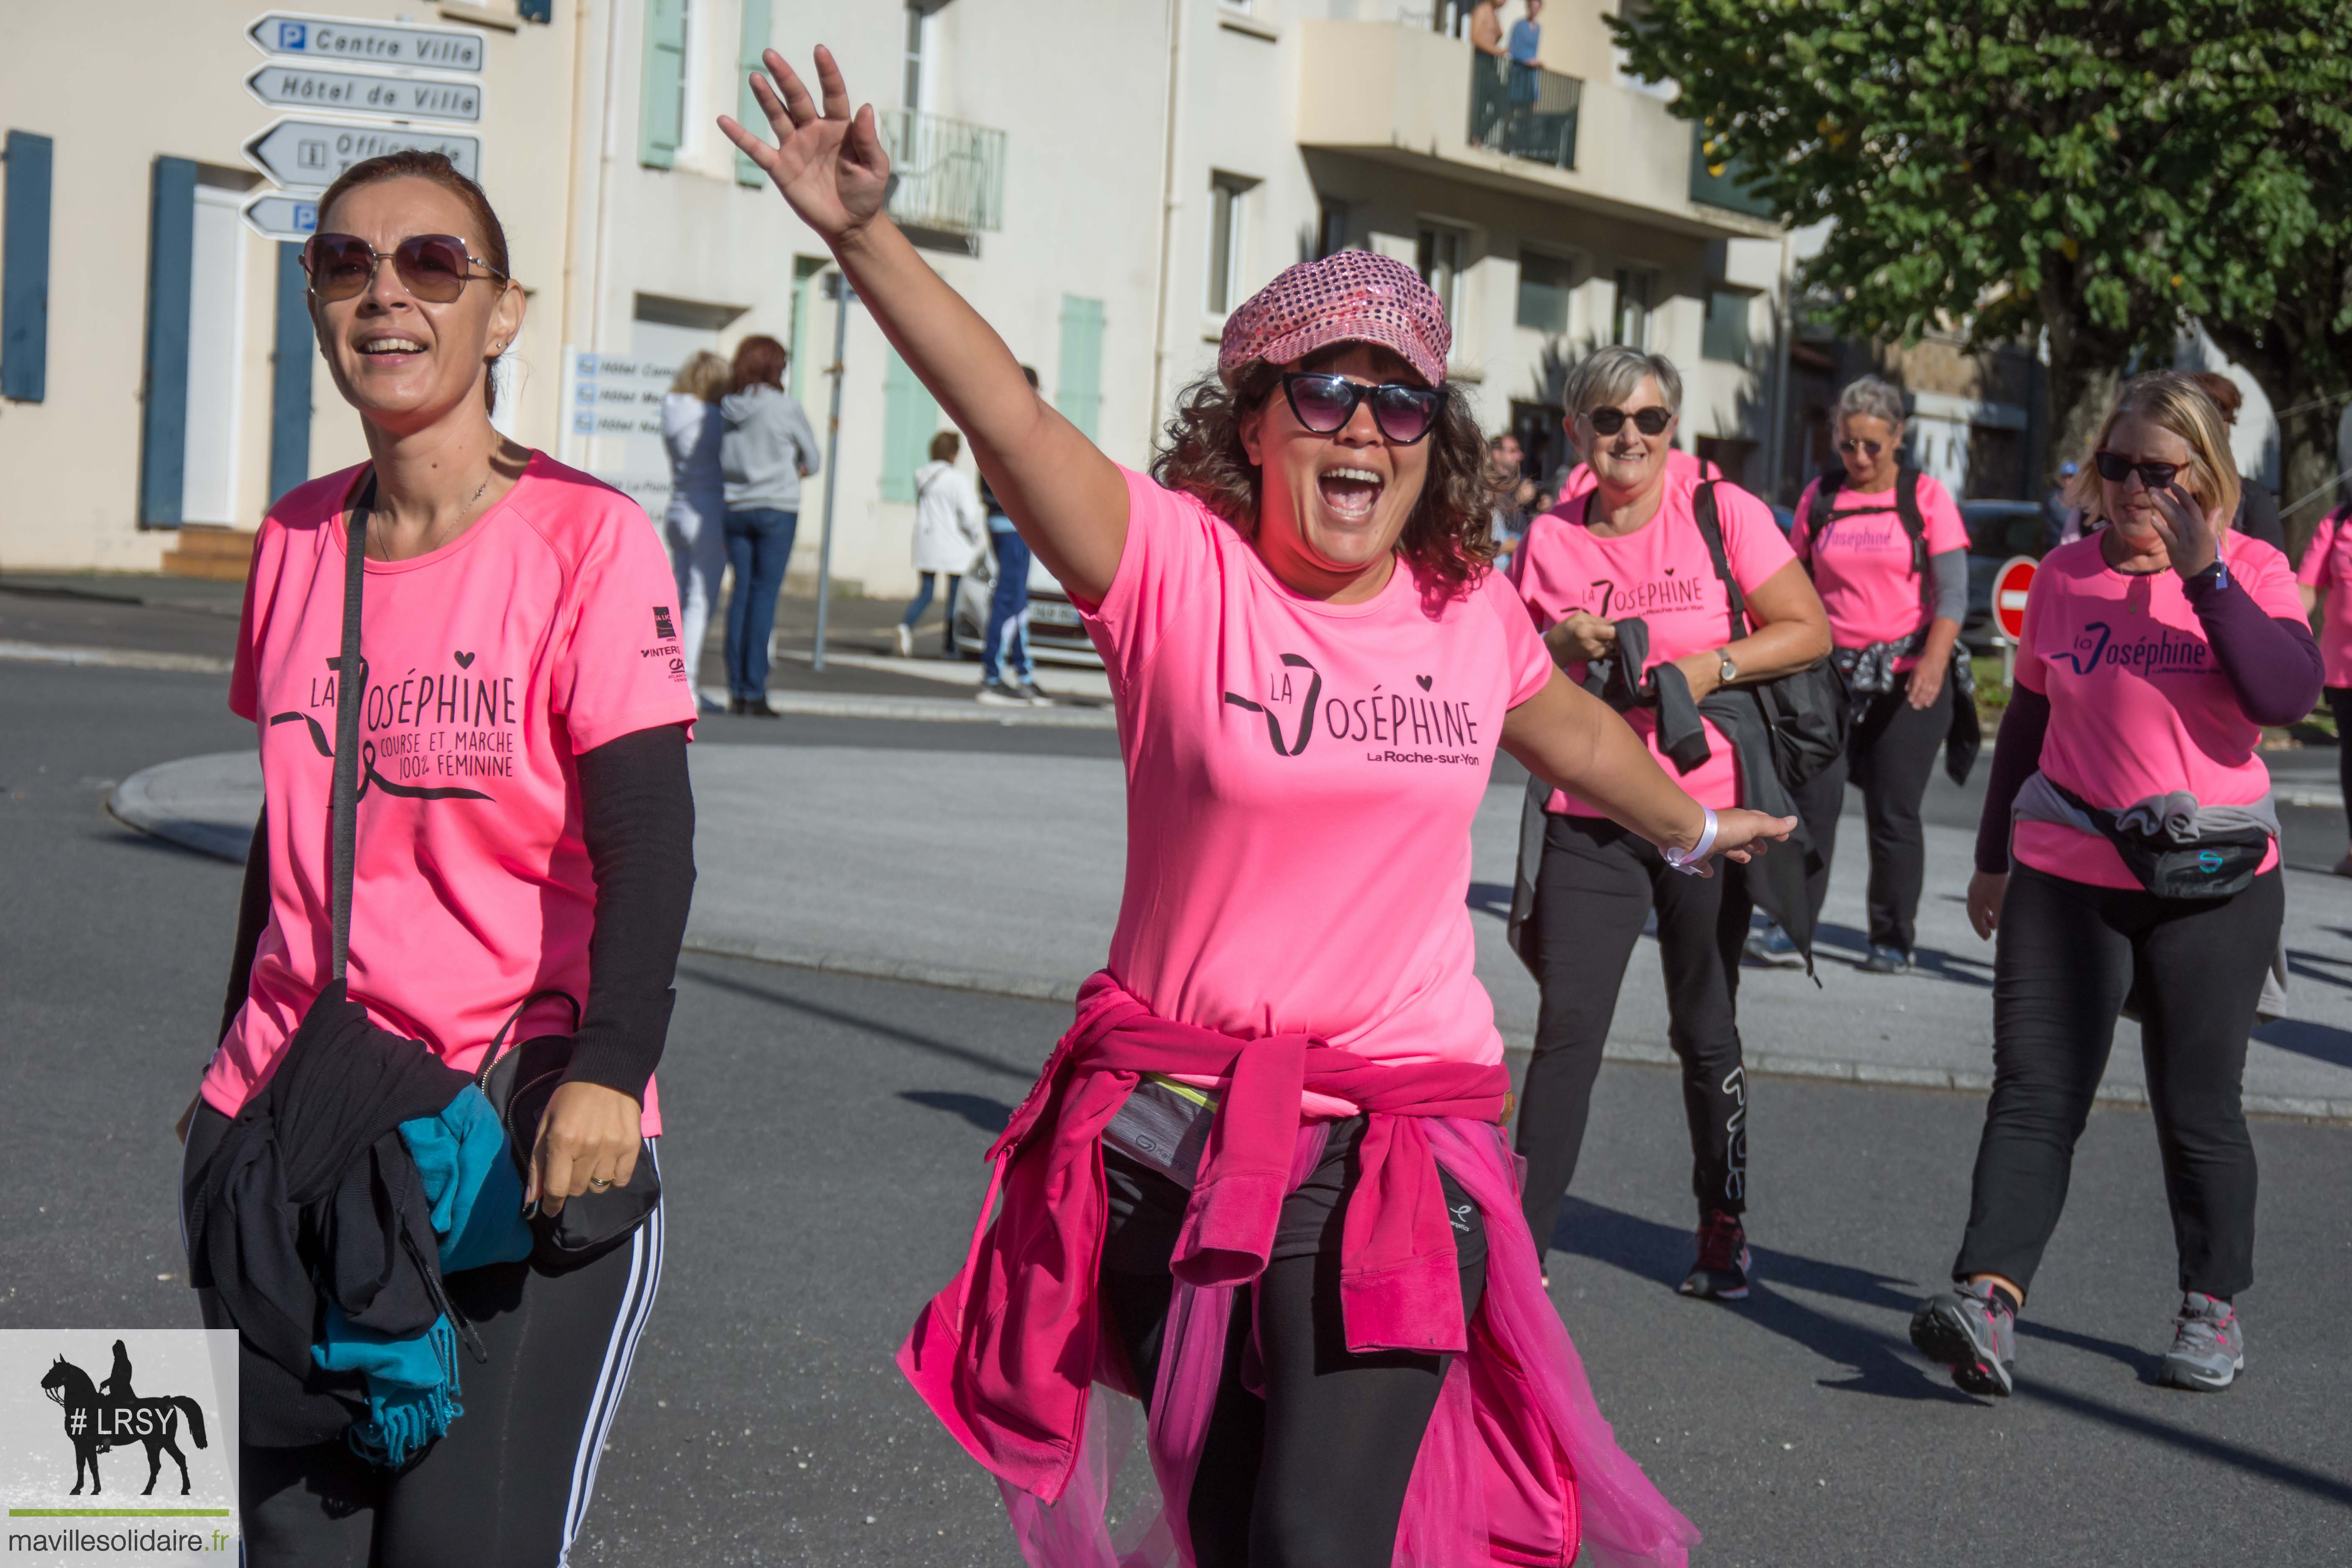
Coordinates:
1353	296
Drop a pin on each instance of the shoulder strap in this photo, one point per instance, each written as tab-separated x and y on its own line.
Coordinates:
1914	521
1710	528
1824	507
351	693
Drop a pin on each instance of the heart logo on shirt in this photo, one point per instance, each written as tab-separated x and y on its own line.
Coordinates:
464	661
1424	682
1670	570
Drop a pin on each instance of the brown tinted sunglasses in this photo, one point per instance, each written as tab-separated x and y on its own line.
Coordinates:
434	268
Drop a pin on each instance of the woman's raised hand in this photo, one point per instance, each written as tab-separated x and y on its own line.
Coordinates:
2191	535
830	165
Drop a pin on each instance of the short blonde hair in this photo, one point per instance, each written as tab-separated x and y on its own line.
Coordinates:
1606	377
2175	400
703	375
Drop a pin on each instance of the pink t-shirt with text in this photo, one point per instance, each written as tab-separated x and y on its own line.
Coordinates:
1661	573
2138	705
1301	779
544	630
2327	565
1861	562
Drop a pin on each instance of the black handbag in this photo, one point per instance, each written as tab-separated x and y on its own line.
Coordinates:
518	1081
1809	712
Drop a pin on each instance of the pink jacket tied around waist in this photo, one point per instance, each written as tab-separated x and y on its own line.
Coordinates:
1518	1466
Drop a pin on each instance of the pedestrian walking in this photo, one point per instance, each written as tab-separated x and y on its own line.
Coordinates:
1004	646
1627	577
2129	851
2326	561
694	523
767	451
1313	665
1889	556
949	534
511	853
1513	494
2258	512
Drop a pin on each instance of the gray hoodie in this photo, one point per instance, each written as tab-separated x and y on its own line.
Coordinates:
767	447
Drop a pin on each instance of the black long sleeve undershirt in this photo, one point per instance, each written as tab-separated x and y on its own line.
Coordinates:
637	818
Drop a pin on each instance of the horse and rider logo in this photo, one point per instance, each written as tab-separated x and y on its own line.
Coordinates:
110	1415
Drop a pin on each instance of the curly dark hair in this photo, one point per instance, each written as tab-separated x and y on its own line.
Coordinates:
1449	536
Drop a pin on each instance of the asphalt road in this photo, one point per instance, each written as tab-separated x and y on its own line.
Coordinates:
823	1167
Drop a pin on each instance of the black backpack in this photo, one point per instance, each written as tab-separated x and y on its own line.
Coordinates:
1808	710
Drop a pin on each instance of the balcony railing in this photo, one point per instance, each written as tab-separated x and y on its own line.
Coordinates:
1524	112
1715	179
944	174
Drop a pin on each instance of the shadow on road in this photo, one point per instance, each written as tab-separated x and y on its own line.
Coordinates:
1885	1363
991	1116
858	1021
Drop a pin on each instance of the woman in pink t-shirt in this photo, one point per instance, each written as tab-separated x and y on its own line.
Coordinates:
2326	576
1313	665
1627	560
1889	556
2129	849
523	861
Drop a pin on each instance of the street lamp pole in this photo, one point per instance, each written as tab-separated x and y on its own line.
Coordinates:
843	296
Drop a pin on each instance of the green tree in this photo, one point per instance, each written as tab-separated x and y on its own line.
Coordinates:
2096	169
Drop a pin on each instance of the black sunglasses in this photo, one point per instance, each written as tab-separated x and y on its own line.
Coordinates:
1854	444
2114	468
1325	403
1651	421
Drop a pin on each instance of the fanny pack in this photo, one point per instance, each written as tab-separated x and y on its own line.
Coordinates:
518	1081
2165	850
1164	1126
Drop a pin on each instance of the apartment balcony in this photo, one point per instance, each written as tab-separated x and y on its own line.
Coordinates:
1414	98
1715	180
946	177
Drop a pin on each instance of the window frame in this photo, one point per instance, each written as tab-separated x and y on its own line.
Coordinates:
1647	277
1229	227
1575	269
1427	233
1717	289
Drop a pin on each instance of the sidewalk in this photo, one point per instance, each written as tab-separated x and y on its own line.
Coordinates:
844	859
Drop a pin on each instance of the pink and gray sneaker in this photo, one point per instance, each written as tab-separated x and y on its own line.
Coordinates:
1972	1328
2208	1348
1721	1272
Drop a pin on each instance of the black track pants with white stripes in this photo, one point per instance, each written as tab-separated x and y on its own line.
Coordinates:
508	1485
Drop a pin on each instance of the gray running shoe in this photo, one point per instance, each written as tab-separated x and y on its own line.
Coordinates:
2209	1347
1884	960
996	694
1971	1329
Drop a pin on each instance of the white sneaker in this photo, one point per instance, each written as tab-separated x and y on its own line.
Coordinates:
996	694
906	640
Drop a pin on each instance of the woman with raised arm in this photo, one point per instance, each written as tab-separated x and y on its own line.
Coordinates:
1271	1140
2129	848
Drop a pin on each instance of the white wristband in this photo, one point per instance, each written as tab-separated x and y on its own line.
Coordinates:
1690	861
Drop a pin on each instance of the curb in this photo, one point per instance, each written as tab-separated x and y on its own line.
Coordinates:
134	803
937	711
116	658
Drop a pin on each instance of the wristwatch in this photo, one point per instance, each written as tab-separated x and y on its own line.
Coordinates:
1730	672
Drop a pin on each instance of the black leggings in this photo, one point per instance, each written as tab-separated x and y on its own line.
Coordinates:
508	1485
2339	704
1314	1474
1597	885
2069	954
1891	754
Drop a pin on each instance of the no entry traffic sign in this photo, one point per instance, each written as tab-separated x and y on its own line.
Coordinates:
2008	589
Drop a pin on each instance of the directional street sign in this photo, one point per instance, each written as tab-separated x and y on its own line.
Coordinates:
355	40
274	215
303	155
364	92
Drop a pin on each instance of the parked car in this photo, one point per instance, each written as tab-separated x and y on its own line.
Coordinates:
1998	530
1056	632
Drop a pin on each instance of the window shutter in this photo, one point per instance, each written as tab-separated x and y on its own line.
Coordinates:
164	408
1078	388
25	271
909	419
661	109
289	378
757	17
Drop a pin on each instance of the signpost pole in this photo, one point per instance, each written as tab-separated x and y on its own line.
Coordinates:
843	296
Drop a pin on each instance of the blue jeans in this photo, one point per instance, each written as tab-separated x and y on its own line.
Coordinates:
1007	641
922	601
758	544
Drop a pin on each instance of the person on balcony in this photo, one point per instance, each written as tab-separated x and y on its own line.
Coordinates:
1527	39
1487	57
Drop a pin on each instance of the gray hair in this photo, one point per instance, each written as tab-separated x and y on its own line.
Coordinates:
1606	377
1873	399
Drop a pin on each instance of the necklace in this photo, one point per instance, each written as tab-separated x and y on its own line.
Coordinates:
435	539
